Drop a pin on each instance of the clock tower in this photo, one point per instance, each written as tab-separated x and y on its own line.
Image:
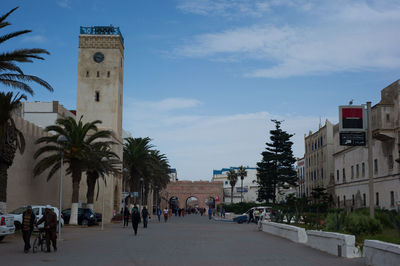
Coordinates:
99	97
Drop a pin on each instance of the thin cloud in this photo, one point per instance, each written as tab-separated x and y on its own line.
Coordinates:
196	145
34	39
64	4
351	37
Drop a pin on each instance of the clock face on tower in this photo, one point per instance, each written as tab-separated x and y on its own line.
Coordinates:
98	57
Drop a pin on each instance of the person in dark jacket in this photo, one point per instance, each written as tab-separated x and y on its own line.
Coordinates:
28	220
50	226
135	219
145	216
126	216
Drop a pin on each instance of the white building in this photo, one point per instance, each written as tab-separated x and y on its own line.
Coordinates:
250	186
300	165
44	114
351	163
173	175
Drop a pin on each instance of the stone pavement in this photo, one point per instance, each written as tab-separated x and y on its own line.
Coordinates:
192	240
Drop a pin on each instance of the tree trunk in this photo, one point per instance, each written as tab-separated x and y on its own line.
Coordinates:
231	194
76	179
3	186
91	178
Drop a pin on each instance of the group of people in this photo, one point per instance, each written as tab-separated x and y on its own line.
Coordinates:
136	217
50	227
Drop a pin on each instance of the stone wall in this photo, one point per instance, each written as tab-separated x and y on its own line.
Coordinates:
202	190
25	189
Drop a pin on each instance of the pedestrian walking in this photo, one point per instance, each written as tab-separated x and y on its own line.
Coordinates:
165	214
28	220
179	212
145	216
209	213
159	212
251	217
50	226
126	216
183	212
135	219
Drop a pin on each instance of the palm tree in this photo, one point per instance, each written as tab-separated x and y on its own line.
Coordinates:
136	160
76	149
11	74
95	167
144	162
242	173
11	139
232	177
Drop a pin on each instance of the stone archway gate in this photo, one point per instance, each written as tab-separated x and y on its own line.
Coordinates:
184	189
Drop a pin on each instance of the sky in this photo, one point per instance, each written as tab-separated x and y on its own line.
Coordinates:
203	78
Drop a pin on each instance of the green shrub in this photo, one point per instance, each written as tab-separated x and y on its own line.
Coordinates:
360	224
335	221
239	208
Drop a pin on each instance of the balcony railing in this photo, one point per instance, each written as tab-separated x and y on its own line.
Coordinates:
102	30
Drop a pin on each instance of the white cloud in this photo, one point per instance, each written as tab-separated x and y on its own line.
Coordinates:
34	39
350	37
197	144
64	4
170	104
241	8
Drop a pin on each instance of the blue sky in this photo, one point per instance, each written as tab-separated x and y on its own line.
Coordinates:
203	78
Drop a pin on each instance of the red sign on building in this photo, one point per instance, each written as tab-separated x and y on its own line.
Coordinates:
352	118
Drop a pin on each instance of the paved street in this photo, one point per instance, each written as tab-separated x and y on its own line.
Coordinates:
192	240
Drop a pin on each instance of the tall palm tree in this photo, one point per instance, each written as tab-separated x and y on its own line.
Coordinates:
11	139
11	75
232	178
76	149
144	162
96	168
136	160
242	173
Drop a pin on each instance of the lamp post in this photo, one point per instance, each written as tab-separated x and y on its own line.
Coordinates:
103	160
61	140
156	190
125	171
141	194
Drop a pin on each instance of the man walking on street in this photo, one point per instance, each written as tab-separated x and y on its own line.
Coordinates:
50	225
28	220
165	214
159	214
209	213
126	216
135	219
145	215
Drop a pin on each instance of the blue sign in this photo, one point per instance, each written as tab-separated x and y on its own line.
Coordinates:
135	194
239	189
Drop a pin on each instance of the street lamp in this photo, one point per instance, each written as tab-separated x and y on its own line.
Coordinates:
61	140
103	160
125	171
141	194
156	189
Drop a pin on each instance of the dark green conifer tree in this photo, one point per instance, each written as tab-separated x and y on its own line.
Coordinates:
276	169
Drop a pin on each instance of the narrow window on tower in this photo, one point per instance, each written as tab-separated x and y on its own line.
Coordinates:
87	74
108	74
98	74
97	96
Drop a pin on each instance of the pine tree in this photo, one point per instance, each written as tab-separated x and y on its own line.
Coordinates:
275	171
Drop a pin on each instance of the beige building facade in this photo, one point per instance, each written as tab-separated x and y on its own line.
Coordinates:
318	158
100	95
351	163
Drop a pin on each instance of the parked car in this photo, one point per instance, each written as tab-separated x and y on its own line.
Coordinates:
98	217
86	216
257	211
38	210
7	226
